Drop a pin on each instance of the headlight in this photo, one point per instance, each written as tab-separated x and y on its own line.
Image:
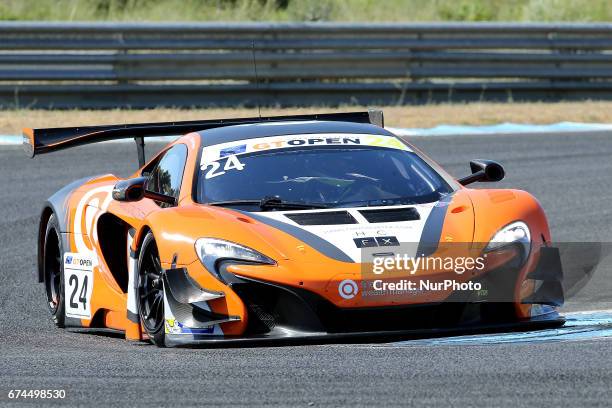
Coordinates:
515	233
211	250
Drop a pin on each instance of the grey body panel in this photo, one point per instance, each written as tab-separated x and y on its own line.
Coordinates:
237	133
58	202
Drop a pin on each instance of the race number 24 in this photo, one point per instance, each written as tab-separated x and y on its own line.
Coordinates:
78	285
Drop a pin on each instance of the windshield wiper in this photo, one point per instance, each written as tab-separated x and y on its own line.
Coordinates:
277	203
383	202
272	203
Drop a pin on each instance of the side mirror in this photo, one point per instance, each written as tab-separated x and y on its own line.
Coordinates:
130	189
134	190
483	170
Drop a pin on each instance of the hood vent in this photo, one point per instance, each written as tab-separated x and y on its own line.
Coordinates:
322	218
391	215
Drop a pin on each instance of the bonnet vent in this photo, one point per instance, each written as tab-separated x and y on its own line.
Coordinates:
322	218
391	215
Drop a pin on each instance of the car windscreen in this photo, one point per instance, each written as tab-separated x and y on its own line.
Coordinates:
333	176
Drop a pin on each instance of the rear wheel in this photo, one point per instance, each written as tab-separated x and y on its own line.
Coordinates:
151	291
53	272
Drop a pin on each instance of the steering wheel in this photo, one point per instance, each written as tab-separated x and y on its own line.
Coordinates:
319	189
357	187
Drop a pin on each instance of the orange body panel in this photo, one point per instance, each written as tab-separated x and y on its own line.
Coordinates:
473	216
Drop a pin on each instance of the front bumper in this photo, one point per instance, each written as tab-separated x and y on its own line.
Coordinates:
278	313
304	338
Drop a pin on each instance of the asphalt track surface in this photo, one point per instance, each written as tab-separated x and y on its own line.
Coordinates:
571	174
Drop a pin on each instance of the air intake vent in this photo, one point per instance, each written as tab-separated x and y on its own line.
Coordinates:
391	215
322	218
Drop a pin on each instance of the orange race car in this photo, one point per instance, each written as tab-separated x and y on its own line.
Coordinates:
298	227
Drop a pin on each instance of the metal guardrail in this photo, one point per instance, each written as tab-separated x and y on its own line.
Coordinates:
103	65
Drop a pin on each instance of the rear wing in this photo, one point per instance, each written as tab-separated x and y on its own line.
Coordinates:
39	141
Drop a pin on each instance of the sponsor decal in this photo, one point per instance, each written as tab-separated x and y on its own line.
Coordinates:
387	241
368	242
348	289
78	285
232	150
220	151
77	261
173	326
365	242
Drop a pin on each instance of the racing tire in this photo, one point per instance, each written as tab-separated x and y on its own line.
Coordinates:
53	271
150	293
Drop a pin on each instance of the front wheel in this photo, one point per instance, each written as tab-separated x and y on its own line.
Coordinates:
150	294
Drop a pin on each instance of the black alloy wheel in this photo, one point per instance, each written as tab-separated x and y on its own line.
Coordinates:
151	291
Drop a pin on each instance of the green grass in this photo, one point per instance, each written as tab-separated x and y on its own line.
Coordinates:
307	10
